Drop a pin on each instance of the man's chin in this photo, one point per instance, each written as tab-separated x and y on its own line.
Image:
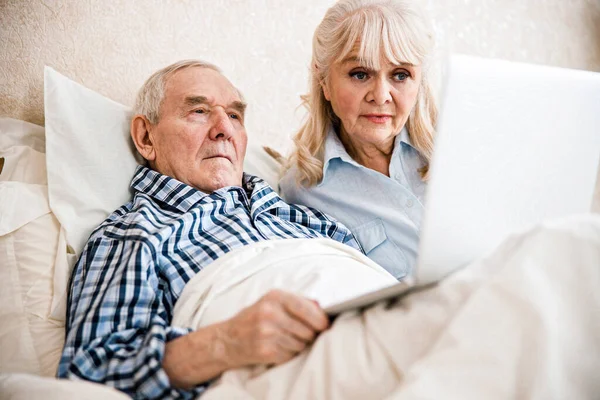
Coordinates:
218	180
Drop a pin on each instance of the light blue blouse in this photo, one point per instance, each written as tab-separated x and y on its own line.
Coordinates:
384	213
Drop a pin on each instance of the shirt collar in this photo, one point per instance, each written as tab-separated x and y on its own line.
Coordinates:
334	149
165	188
182	196
261	194
404	137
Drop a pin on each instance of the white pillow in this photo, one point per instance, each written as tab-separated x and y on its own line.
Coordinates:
22	146
14	132
30	341
34	262
91	158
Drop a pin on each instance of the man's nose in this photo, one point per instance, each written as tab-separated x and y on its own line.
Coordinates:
221	125
380	92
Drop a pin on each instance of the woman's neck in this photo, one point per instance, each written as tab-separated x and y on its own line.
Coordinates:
373	156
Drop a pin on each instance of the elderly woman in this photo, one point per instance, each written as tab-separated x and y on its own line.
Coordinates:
363	153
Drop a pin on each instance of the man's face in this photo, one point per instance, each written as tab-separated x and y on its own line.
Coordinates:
200	138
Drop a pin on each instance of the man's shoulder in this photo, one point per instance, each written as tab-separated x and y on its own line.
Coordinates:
137	220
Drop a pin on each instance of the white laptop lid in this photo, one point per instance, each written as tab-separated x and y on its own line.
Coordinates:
516	144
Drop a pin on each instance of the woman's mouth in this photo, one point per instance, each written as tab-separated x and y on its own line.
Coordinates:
378	118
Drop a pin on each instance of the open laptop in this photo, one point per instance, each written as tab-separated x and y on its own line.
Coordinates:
516	144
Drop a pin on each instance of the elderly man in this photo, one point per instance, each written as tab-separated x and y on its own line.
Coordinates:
192	205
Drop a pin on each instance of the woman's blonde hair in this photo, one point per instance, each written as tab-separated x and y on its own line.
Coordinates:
395	29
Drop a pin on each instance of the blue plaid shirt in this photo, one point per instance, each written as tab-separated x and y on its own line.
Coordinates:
136	263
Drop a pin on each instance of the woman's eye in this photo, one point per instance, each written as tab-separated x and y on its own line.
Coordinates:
400	76
360	75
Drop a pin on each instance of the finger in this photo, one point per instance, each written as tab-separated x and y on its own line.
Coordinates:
305	311
282	357
290	344
298	329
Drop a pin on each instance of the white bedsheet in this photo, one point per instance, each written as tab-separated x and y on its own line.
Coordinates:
522	323
322	269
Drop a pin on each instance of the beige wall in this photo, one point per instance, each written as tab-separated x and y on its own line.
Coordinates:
561	33
263	45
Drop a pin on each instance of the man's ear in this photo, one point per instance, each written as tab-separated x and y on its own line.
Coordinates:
140	134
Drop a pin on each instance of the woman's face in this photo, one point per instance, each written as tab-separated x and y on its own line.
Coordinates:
373	106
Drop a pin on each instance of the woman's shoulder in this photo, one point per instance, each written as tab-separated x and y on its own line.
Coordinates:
292	191
323	193
289	187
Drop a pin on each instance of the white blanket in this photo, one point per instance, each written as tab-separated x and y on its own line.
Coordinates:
521	323
321	269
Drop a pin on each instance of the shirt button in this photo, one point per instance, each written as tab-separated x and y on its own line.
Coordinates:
409	203
398	177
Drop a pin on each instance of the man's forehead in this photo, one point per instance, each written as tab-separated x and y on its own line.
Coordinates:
194	100
206	83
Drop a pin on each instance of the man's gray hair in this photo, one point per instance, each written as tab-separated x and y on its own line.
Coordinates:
152	92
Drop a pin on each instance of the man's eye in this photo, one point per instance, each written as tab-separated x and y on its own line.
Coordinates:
360	75
200	111
234	116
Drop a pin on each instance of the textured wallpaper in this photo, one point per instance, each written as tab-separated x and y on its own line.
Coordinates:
111	46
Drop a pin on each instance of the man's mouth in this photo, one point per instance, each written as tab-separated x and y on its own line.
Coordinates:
225	156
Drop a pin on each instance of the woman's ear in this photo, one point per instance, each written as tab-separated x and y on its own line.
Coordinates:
140	134
322	82
326	91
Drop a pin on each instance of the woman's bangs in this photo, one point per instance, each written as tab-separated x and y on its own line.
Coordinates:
349	38
400	43
382	38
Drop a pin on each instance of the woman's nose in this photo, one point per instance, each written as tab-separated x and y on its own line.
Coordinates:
380	92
